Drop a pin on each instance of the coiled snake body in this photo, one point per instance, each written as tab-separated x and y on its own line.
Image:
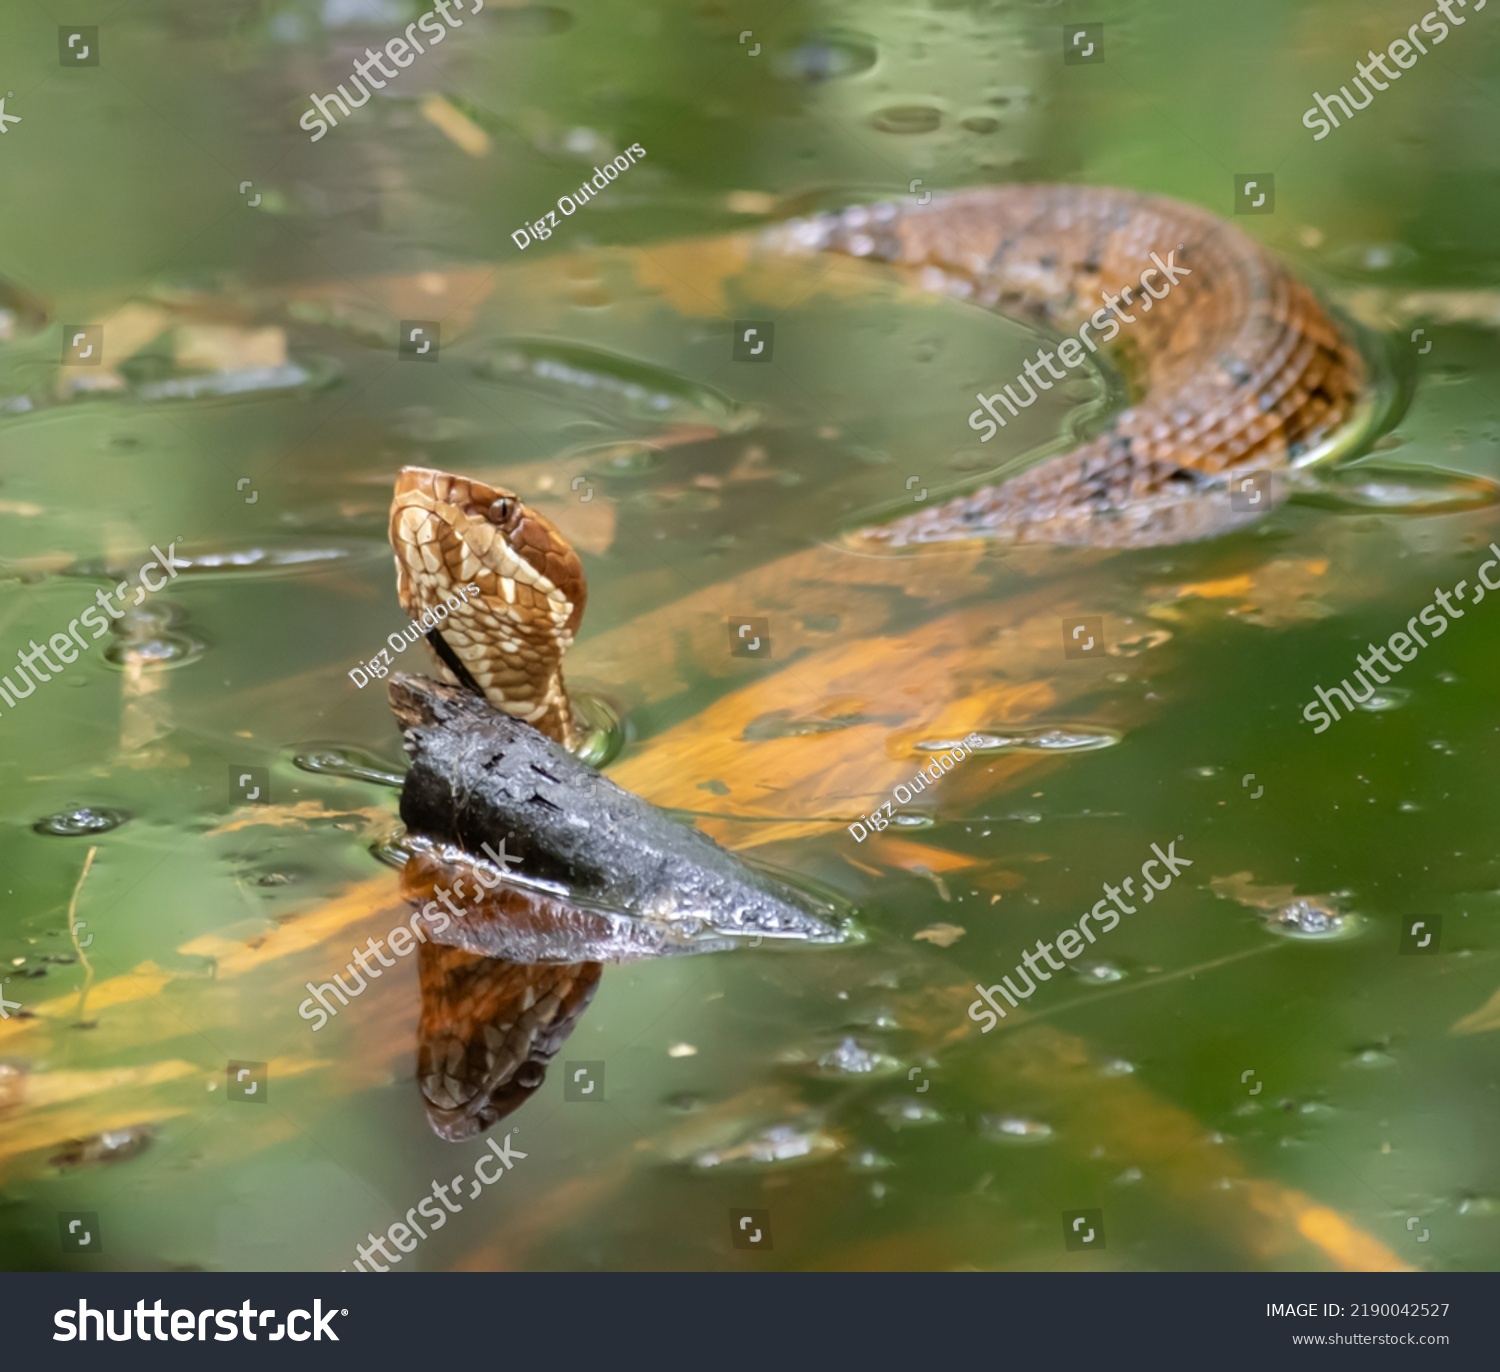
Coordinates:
1237	367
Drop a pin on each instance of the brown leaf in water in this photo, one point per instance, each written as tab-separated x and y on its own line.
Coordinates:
1481	1020
944	935
318	924
693	281
750	202
372	302
455	125
141	983
224	348
279	816
1242	889
921	858
1281	591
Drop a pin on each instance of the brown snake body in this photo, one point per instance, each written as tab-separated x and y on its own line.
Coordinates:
1237	366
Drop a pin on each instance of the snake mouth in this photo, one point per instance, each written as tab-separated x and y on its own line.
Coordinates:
495	586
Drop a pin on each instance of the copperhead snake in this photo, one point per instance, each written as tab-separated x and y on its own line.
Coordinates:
1238	368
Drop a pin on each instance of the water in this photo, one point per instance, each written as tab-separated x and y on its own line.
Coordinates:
259	412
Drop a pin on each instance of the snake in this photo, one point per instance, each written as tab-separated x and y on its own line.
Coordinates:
507	643
1235	365
1236	369
488	1027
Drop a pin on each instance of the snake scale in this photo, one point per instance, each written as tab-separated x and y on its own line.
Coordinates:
1236	368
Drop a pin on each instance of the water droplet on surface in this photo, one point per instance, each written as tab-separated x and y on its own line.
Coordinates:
905	1113
603	729
1099	973
1014	1129
912	819
882	1017
1116	1067
907	119
1384	698
85	819
1308	1107
1046	738
1372	1058
981	123
1479	1207
154	652
1374	257
780	1143
851	1058
1307	918
113	1145
353	763
868	1160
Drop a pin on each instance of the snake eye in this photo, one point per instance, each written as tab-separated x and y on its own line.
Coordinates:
500	510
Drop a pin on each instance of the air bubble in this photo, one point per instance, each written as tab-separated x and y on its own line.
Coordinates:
908	119
86	819
1014	1129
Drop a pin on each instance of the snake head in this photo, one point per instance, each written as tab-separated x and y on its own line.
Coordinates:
498	589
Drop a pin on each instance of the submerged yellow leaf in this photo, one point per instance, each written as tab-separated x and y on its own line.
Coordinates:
455	125
944	935
225	348
1478	1021
278	816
